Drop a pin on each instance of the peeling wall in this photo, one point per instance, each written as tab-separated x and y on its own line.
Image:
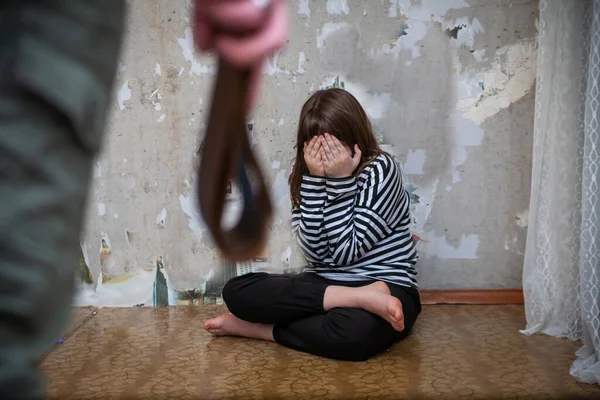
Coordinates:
448	85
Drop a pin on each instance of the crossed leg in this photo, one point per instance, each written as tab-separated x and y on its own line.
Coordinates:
308	313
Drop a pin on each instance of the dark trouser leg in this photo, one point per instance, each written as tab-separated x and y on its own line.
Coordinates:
348	333
272	299
57	66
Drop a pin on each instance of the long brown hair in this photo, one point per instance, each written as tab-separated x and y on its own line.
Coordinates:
338	113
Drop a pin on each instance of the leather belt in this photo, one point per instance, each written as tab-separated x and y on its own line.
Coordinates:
227	156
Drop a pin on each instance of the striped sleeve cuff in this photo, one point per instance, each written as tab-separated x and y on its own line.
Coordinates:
312	188
337	187
313	180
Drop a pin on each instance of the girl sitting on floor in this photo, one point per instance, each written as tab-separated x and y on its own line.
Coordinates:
358	294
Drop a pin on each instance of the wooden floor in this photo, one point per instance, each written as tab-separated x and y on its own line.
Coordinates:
471	352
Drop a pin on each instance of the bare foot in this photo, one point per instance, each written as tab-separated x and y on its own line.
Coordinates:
223	325
379	286
374	298
377	300
230	325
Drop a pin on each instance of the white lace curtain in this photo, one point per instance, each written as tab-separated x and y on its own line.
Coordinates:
561	275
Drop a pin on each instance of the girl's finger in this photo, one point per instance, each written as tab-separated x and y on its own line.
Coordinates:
340	147
327	151
310	150
331	145
357	156
327	145
317	147
310	145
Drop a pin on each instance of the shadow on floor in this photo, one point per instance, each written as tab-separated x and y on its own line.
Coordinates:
473	352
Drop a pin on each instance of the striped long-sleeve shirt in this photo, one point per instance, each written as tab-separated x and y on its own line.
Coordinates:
357	229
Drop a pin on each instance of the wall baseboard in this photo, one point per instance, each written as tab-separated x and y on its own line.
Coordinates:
500	296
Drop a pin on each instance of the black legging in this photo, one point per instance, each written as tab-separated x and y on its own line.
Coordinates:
294	305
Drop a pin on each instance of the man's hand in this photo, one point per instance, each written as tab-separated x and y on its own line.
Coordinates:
244	32
338	161
312	157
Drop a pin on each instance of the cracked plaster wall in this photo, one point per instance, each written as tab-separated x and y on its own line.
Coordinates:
449	86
